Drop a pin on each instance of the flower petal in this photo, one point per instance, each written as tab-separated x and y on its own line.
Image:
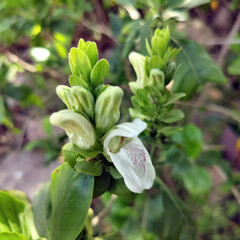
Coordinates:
128	129
77	127
134	164
138	62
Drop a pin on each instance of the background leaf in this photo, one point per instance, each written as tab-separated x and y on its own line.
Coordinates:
197	180
197	68
12	218
12	236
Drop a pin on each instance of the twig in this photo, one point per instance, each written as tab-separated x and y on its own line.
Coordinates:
105	211
31	68
171	196
99	28
224	50
213	147
223	176
145	214
214	108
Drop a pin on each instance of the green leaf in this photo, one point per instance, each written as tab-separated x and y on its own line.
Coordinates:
192	139
172	116
42	211
101	184
99	72
87	153
12	217
234	68
92	53
197	180
28	214
92	167
69	155
156	62
78	81
168	131
6	23
173	98
172	54
197	68
98	90
12	236
71	198
118	187
79	64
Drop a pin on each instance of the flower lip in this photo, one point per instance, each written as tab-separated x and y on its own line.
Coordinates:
132	160
126	130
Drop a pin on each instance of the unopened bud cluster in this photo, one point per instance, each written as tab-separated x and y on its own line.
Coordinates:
152	101
93	108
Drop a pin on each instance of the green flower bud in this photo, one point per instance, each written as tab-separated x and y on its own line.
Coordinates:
77	127
171	68
64	93
160	42
107	108
89	48
164	34
138	63
84	100
157	79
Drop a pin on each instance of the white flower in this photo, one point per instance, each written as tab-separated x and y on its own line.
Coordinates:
131	159
138	62
77	127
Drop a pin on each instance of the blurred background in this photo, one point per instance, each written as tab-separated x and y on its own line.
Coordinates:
35	38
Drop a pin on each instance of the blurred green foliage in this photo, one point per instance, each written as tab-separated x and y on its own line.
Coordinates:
41	32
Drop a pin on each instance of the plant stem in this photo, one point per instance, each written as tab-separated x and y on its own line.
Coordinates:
163	185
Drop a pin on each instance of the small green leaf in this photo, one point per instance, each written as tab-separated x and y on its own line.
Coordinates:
80	64
173	98
173	53
12	217
69	155
91	167
192	139
113	171
12	236
156	62
71	198
101	184
99	72
81	44
98	90
91	153
149	50
168	131
197	180
172	116
77	81
118	187
92	53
